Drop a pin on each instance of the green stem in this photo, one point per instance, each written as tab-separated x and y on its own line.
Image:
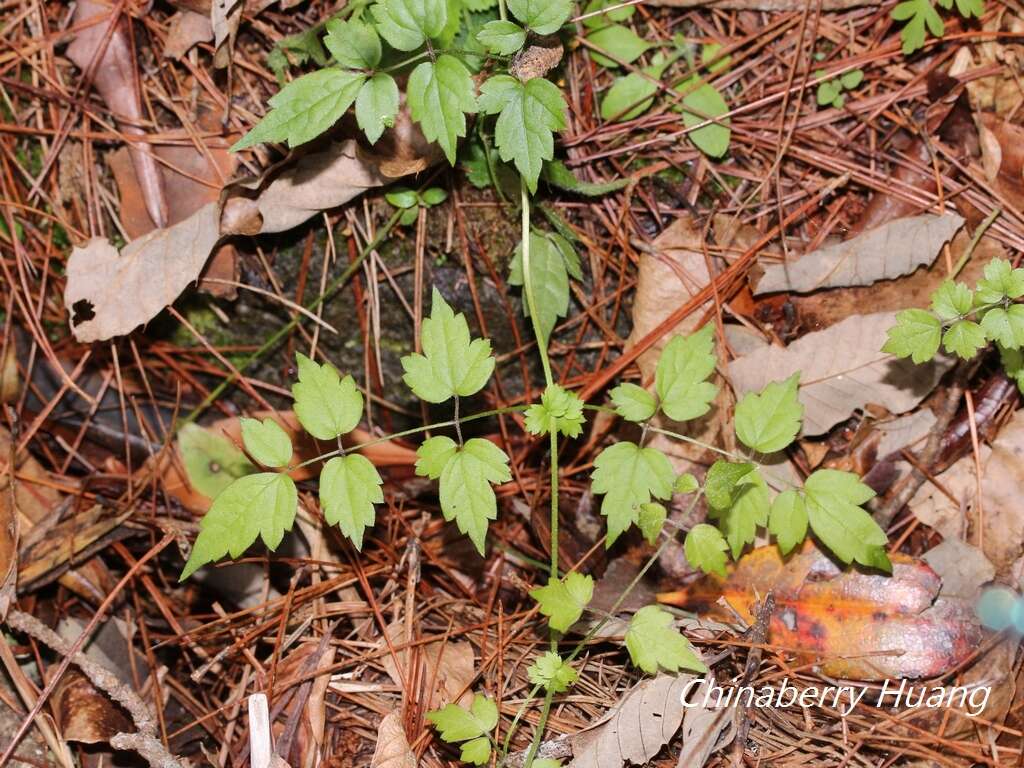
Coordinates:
458	423
528	284
535	744
501	10
554	502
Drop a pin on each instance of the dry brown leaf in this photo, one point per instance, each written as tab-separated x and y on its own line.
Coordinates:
450	664
392	750
962	568
892	250
187	29
9	384
9	530
841	370
904	431
84	714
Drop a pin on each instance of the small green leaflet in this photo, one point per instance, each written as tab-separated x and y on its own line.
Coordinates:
451	364
326	405
551	672
266	442
1005	326
916	335
769	421
1001	281
406	24
353	44
701	103
787	520
629	476
502	37
720	482
349	487
558	175
952	300
305	108
558	409
705	548
632	95
748	510
212	462
528	116
651	520
471	726
440	94
964	338
303	47
552	260
680	378
434	455
1013	365
545	17
619	41
653	642
261	505
834	500
563	600
918	14
377	105
402	197
633	403
686	483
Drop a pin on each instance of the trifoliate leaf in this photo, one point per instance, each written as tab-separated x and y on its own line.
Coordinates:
440	94
377	105
952	300
685	483
834	500
255	505
629	476
633	403
916	335
528	115
680	378
550	671
557	174
466	494
451	364
964	338
549	279
406	24
557	409
353	43
705	548
563	600
653	642
212	462
266	442
434	455
545	17
917	14
788	520
305	108
747	510
502	37
325	404
349	487
619	41
770	420
457	724
1005	326
1001	281
476	751
699	104
651	520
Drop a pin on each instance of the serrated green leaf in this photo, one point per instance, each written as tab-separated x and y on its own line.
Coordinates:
787	520
545	17
451	363
1005	326
1001	281
353	43
680	378
377	105
698	105
916	335
747	509
705	548
653	642
633	403
434	455
769	421
550	671
952	300
964	338
266	442
834	500
440	95
619	41
303	46
1013	365
477	751
261	505
457	724
305	108
968	8
407	24
502	37
558	175
651	520
212	462
563	600
629	476
326	405
558	409
349	487
918	14
549	278
466	494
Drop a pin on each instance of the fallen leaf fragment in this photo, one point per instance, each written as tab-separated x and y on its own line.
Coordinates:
451	665
9	530
187	29
392	750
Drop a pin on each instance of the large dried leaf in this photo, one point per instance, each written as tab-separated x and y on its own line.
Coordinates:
841	370
892	250
392	750
450	664
186	30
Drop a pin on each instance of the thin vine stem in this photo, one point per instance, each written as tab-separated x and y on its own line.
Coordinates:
528	283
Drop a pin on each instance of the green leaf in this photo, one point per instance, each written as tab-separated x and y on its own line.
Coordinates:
557	409
788	520
261	505
1005	326
477	751
851	79
528	116
651	520
952	300
433	196
916	335
698	105
266	442
451	363
968	8
440	94
1013	364
544	17
653	642
212	462
549	278
465	489
828	92
918	14
303	46
563	600
685	483
618	14
407	24
377	105
305	108
409	216
326	405
632	95
720	482
629	476
964	338
1001	281
619	41
550	671
434	456
457	724
705	548
502	37
633	403
834	500
349	487
747	510
680	378
769	421
354	44
402	197
558	175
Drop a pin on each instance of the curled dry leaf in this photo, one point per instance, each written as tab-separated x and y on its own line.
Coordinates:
841	370
892	250
392	750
